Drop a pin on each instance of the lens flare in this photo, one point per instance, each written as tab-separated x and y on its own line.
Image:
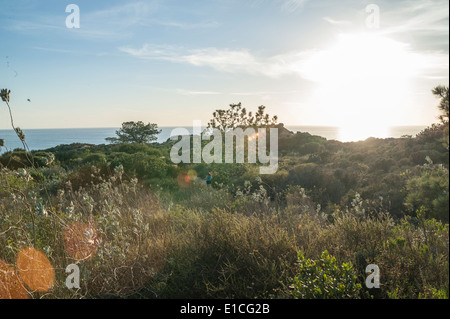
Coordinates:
185	179
10	285
35	269
80	241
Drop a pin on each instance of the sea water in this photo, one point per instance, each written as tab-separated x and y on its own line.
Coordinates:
41	139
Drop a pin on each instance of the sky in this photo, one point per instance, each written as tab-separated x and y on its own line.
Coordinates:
354	64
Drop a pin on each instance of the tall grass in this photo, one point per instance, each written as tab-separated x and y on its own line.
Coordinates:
137	242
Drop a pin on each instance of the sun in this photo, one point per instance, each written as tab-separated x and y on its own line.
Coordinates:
362	84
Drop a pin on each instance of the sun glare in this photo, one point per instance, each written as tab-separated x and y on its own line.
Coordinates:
363	84
353	133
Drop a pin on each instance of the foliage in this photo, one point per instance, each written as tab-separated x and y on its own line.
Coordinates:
441	92
429	191
325	279
135	132
223	255
237	116
152	244
125	221
159	232
5	95
140	164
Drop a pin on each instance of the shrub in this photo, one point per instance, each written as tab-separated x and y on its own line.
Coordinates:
136	148
225	255
140	165
325	279
429	190
95	158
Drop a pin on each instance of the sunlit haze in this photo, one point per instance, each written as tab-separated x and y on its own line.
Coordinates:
172	62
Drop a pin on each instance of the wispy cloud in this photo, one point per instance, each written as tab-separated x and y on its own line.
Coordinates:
154	52
47	23
186	25
110	22
47	49
308	64
337	22
122	15
371	55
263	93
247	93
189	92
429	17
289	6
293	5
224	60
139	14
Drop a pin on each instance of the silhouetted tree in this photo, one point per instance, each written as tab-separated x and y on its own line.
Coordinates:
441	92
135	132
237	116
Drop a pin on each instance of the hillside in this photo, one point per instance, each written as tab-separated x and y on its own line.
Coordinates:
379	201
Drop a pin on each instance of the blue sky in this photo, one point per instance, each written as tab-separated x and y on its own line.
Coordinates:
171	62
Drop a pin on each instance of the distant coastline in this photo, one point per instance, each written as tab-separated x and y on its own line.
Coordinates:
40	139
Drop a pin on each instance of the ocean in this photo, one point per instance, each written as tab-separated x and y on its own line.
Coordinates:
40	139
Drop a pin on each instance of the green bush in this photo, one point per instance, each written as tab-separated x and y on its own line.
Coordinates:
95	158
136	148
325	279
430	191
141	165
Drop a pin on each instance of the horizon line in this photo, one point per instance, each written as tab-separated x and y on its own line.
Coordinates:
184	126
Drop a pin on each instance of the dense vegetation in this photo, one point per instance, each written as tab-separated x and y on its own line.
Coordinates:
139	226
